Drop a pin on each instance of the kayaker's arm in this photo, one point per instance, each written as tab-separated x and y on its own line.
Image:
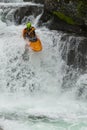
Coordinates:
24	33
32	29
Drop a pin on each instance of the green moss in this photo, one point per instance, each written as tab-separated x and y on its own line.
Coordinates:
63	17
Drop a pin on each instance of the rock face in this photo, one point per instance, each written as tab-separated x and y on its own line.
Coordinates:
69	16
66	15
75	51
22	14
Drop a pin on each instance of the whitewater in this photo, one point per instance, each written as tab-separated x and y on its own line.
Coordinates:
31	94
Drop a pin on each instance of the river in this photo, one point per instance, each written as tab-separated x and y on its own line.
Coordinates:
31	94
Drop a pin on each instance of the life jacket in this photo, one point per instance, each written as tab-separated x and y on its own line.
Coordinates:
30	32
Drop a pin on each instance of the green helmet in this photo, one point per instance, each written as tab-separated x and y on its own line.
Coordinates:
28	25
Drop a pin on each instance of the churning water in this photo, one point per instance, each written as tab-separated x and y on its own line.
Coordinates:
31	95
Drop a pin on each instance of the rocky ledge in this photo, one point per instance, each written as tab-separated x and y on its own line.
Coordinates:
74	51
66	15
24	14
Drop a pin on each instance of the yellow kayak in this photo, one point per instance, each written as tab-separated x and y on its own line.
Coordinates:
35	45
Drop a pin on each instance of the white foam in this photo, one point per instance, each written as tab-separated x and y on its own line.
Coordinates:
45	76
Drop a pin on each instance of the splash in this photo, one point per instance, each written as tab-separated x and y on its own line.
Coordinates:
30	88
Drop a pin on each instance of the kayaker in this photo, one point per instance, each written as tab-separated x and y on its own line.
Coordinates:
29	32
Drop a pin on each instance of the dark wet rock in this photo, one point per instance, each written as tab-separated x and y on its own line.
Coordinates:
23	13
50	5
36	1
55	23
74	51
66	15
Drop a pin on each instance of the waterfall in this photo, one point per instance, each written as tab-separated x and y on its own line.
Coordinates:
43	90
